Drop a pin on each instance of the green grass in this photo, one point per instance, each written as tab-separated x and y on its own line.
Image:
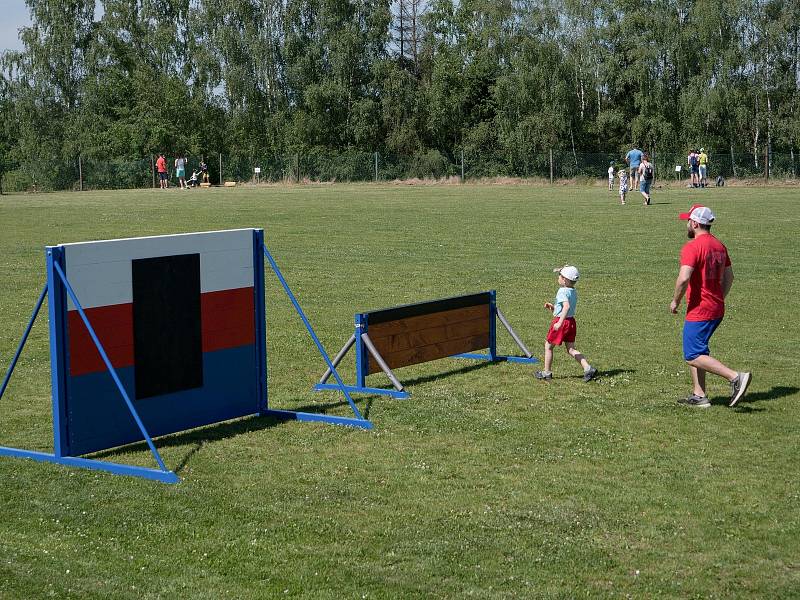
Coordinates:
485	483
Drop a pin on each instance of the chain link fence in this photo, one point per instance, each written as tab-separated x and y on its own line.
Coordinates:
355	166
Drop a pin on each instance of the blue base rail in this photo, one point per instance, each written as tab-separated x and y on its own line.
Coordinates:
97	465
499	358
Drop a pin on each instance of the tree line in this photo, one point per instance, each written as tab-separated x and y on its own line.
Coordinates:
503	79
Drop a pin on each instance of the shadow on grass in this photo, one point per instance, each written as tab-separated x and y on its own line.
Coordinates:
218	431
607	373
451	372
778	391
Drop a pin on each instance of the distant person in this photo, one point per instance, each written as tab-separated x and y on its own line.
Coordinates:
161	166
562	327
693	161
623	184
702	164
705	277
611	176
645	178
204	171
634	159
180	171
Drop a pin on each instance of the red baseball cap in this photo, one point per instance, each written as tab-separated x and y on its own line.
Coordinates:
698	212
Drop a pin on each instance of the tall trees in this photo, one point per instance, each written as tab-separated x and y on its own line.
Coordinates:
504	79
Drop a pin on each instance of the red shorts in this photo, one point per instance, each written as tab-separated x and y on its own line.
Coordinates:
566	332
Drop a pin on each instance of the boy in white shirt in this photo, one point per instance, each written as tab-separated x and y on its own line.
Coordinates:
563	327
611	176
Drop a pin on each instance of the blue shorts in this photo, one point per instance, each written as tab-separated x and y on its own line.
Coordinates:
644	185
695	337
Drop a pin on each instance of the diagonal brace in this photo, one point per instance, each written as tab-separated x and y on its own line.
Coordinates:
310	329
23	340
110	367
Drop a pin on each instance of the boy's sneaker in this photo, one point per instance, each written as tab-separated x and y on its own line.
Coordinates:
695	401
739	387
543	374
590	374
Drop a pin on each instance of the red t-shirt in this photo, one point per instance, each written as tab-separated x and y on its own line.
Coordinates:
709	259
161	164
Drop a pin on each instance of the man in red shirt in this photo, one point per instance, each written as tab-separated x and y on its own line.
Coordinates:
705	277
161	165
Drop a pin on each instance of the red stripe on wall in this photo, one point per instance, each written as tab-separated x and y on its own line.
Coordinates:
227	321
114	327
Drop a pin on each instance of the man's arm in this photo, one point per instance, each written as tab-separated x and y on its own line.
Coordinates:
727	281
684	275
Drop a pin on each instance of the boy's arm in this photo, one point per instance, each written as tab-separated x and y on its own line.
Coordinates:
562	315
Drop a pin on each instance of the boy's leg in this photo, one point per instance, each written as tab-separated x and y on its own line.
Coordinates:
575	353
548	357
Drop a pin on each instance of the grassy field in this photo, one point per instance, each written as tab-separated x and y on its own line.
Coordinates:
485	483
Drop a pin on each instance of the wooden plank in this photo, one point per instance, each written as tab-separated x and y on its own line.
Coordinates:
426	337
422	354
440	319
397	313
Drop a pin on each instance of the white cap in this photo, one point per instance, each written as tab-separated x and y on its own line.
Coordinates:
698	214
568	272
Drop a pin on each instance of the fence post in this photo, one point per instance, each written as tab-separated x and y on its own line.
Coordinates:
297	168
153	170
551	166
766	163
221	181
462	165
80	174
376	167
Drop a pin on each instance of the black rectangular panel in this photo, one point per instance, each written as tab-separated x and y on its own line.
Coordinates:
426	308
167	338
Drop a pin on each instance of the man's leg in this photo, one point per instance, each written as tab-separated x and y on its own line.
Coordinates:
698	381
705	362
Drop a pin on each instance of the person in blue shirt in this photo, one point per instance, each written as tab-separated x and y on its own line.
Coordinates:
634	159
563	327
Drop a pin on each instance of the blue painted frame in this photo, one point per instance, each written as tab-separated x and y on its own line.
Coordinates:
58	288
362	355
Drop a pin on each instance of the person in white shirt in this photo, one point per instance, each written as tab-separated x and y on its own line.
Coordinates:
611	176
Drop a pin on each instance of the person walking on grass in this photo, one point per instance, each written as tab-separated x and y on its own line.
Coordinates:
702	162
645	178
705	277
611	176
161	166
634	159
563	327
623	184
180	171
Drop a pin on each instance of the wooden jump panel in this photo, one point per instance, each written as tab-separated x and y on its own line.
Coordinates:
422	338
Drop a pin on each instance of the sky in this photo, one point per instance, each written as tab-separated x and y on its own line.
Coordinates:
15	15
